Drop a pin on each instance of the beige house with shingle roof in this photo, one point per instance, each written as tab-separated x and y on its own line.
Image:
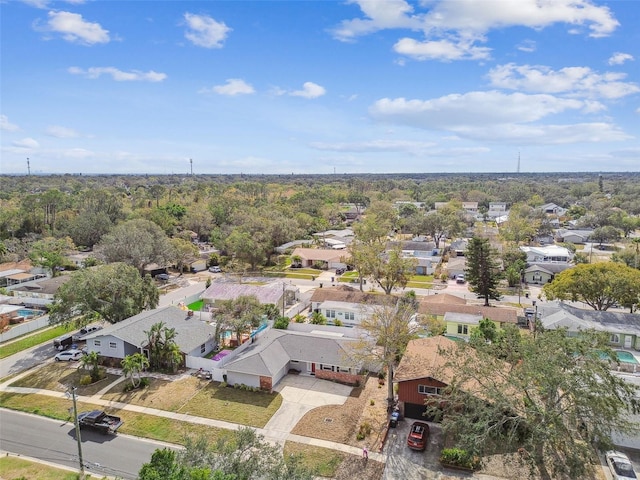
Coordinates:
328	257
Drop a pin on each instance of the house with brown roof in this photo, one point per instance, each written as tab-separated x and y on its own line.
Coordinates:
347	304
39	293
461	319
329	258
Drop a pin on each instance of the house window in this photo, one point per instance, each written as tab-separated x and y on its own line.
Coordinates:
615	338
330	314
463	329
112	345
344	370
427	390
327	367
96	343
203	348
349	316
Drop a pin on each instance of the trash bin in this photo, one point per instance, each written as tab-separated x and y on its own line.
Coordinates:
321	285
395	416
526	295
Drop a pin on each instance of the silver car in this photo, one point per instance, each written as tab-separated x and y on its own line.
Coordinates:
620	466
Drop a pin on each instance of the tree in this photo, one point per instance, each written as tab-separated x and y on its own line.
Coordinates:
390	328
184	252
241	455
605	234
390	269
240	314
164	353
482	272
111	292
49	253
317	318
549	403
599	285
91	362
247	248
137	243
133	365
521	225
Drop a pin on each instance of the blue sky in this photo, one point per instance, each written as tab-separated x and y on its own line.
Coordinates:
377	86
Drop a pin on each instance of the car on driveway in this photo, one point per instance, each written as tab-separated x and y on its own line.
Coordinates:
68	355
418	436
620	466
460	279
215	269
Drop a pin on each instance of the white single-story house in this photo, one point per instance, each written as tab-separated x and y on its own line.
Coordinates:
623	328
193	336
553	209
347	304
275	293
547	254
269	358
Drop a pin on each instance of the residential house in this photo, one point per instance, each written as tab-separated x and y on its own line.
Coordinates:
461	319
328	258
470	208
623	328
273	293
547	254
78	259
347	304
39	293
458	247
296	243
538	275
553	209
497	209
573	236
15	273
421	374
456	266
335	239
193	336
425	253
268	359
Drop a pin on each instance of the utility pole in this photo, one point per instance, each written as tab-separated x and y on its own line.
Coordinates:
75	419
191	162
28	167
283	297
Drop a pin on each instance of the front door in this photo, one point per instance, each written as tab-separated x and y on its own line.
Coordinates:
313	369
627	341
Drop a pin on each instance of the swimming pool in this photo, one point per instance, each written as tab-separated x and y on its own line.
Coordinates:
626	357
29	313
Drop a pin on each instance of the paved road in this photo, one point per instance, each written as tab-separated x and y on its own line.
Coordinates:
54	441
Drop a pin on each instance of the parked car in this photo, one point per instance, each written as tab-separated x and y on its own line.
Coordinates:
68	355
85	331
460	278
162	276
418	435
215	269
620	466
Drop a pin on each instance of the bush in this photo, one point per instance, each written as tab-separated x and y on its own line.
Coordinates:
223	384
281	323
459	458
372	402
85	380
364	431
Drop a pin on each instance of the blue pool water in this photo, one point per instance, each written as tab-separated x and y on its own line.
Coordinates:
29	313
626	357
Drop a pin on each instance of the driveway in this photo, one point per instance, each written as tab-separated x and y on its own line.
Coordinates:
300	394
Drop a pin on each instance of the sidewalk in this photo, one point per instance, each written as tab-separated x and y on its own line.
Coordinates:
272	435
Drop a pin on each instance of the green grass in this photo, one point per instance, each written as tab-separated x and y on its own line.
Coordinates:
323	461
196	306
55	376
139	424
14	468
32	340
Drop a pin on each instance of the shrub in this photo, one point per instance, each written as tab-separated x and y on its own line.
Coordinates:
459	458
85	380
372	402
281	323
223	384
365	430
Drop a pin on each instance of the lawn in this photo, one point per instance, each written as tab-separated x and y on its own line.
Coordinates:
32	340
323	461
204	399
302	273
59	376
138	424
14	468
196	306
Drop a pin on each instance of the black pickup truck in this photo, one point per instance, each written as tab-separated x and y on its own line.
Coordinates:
99	420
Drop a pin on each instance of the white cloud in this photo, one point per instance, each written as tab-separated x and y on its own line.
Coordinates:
119	75
482	108
26	143
309	90
45	3
6	125
452	28
204	31
619	58
577	81
497	117
234	86
445	50
78	153
75	29
61	132
527	46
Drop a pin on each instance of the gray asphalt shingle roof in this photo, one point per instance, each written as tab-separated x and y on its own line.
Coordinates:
190	331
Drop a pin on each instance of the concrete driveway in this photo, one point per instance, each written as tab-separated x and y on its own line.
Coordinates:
300	394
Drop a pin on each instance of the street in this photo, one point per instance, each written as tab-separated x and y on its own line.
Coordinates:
55	441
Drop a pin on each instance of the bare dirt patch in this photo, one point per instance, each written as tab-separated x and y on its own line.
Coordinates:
341	423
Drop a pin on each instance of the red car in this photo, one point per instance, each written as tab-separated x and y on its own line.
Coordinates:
418	435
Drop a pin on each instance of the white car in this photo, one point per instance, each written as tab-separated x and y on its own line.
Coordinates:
68	355
620	466
215	269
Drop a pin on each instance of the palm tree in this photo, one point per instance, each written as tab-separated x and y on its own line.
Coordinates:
132	365
90	362
318	319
